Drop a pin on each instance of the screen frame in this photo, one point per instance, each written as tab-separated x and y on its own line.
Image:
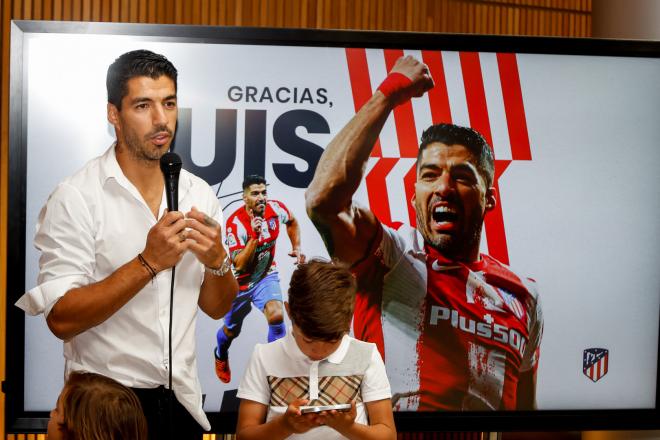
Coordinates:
19	420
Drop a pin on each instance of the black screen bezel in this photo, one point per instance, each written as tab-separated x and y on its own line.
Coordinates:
19	420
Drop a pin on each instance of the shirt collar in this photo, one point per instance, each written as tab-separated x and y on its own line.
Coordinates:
110	169
336	357
439	260
109	166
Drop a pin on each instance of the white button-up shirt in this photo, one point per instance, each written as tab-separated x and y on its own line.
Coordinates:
94	222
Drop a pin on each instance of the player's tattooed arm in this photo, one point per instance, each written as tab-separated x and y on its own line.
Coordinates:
526	391
326	236
293	231
244	259
345	228
347	235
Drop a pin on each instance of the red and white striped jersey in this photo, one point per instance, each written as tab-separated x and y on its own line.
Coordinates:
238	232
453	336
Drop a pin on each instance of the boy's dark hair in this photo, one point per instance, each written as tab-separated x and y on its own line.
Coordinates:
96	406
132	64
450	134
253	179
321	299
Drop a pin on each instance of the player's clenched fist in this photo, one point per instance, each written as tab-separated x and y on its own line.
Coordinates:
408	78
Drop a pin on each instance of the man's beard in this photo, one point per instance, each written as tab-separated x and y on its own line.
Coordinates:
459	243
138	147
259	209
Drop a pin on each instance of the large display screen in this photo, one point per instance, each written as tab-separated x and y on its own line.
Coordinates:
574	132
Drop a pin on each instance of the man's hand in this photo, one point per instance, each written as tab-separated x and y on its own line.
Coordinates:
298	255
339	420
297	422
166	241
204	238
419	75
256	223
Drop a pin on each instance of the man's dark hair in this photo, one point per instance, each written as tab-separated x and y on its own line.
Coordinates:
253	179
450	134
132	64
321	299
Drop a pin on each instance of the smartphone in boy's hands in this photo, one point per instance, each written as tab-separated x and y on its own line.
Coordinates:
318	409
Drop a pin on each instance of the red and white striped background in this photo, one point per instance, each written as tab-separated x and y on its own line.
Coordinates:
479	90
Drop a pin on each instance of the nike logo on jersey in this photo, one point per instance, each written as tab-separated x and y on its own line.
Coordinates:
436	266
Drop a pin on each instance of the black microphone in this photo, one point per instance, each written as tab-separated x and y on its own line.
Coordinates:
170	165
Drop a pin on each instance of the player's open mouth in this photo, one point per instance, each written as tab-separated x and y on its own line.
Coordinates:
444	218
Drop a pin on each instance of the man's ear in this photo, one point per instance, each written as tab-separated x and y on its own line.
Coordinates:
113	115
491	198
412	201
286	307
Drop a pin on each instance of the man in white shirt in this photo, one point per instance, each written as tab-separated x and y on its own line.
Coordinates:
108	246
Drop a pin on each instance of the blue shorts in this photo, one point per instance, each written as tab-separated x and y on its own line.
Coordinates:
268	289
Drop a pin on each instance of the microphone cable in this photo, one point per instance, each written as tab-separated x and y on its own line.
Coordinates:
170	165
170	395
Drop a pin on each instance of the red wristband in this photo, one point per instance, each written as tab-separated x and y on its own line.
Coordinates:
393	83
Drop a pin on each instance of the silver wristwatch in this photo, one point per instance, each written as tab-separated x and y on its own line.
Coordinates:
222	270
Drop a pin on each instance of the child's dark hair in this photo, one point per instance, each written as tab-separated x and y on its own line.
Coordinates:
321	299
96	407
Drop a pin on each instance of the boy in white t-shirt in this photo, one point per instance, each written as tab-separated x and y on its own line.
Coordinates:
317	363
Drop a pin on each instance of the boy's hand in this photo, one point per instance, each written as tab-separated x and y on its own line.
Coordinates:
339	420
297	422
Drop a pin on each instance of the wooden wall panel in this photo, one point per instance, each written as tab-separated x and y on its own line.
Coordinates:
570	18
464	16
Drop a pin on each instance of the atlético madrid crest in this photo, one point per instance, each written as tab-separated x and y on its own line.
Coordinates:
594	363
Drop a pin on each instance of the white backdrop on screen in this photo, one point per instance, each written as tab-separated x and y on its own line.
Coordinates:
580	217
